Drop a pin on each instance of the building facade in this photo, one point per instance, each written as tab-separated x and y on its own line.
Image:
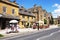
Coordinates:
8	11
40	14
26	18
58	19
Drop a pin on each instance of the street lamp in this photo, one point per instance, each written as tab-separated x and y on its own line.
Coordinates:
37	24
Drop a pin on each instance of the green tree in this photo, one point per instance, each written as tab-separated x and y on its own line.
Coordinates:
51	20
45	21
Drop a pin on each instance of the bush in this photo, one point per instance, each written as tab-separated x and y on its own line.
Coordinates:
1	35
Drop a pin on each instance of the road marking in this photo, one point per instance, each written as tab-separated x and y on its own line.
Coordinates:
47	35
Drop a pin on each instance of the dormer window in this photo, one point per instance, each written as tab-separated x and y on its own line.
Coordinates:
20	9
29	12
25	11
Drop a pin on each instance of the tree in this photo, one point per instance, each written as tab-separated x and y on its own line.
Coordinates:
51	20
45	21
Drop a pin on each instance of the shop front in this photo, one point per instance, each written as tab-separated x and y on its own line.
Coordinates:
4	20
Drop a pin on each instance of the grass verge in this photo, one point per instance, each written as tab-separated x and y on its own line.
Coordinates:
1	35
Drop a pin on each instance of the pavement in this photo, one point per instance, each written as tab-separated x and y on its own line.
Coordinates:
23	31
34	36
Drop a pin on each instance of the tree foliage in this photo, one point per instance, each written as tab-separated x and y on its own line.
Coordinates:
51	20
45	21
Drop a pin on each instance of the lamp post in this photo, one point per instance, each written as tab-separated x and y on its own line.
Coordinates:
37	24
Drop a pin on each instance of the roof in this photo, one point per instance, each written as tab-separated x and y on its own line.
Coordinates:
10	3
9	16
25	12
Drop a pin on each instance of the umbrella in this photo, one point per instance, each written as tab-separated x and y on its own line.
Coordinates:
13	21
41	22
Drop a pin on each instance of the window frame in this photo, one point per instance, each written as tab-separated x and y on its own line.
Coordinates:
4	9
13	11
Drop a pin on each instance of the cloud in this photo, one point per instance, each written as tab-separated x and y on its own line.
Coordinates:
56	5
56	12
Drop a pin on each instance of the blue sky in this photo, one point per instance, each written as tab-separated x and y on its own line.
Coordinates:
48	5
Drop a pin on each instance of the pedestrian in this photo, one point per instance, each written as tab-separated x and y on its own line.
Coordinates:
12	28
37	26
16	28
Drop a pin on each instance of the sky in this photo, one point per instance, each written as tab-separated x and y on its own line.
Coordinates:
52	6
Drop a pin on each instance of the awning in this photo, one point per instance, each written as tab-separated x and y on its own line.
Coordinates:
9	16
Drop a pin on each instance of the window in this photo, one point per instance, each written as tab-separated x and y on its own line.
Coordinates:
22	23
25	11
41	17
29	12
23	16
13	11
44	15
4	9
32	17
28	16
20	9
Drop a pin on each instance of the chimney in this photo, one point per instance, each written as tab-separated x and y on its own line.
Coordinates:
14	1
34	5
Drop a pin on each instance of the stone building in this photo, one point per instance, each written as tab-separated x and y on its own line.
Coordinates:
40	14
26	18
8	11
55	21
58	19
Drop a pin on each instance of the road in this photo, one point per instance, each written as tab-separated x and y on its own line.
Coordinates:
35	36
55	36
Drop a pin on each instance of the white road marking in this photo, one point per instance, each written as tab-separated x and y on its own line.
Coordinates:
47	35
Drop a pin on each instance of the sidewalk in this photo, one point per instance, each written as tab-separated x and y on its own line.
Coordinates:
21	31
25	30
51	27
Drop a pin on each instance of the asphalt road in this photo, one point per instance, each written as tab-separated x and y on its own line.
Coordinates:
55	36
36	36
